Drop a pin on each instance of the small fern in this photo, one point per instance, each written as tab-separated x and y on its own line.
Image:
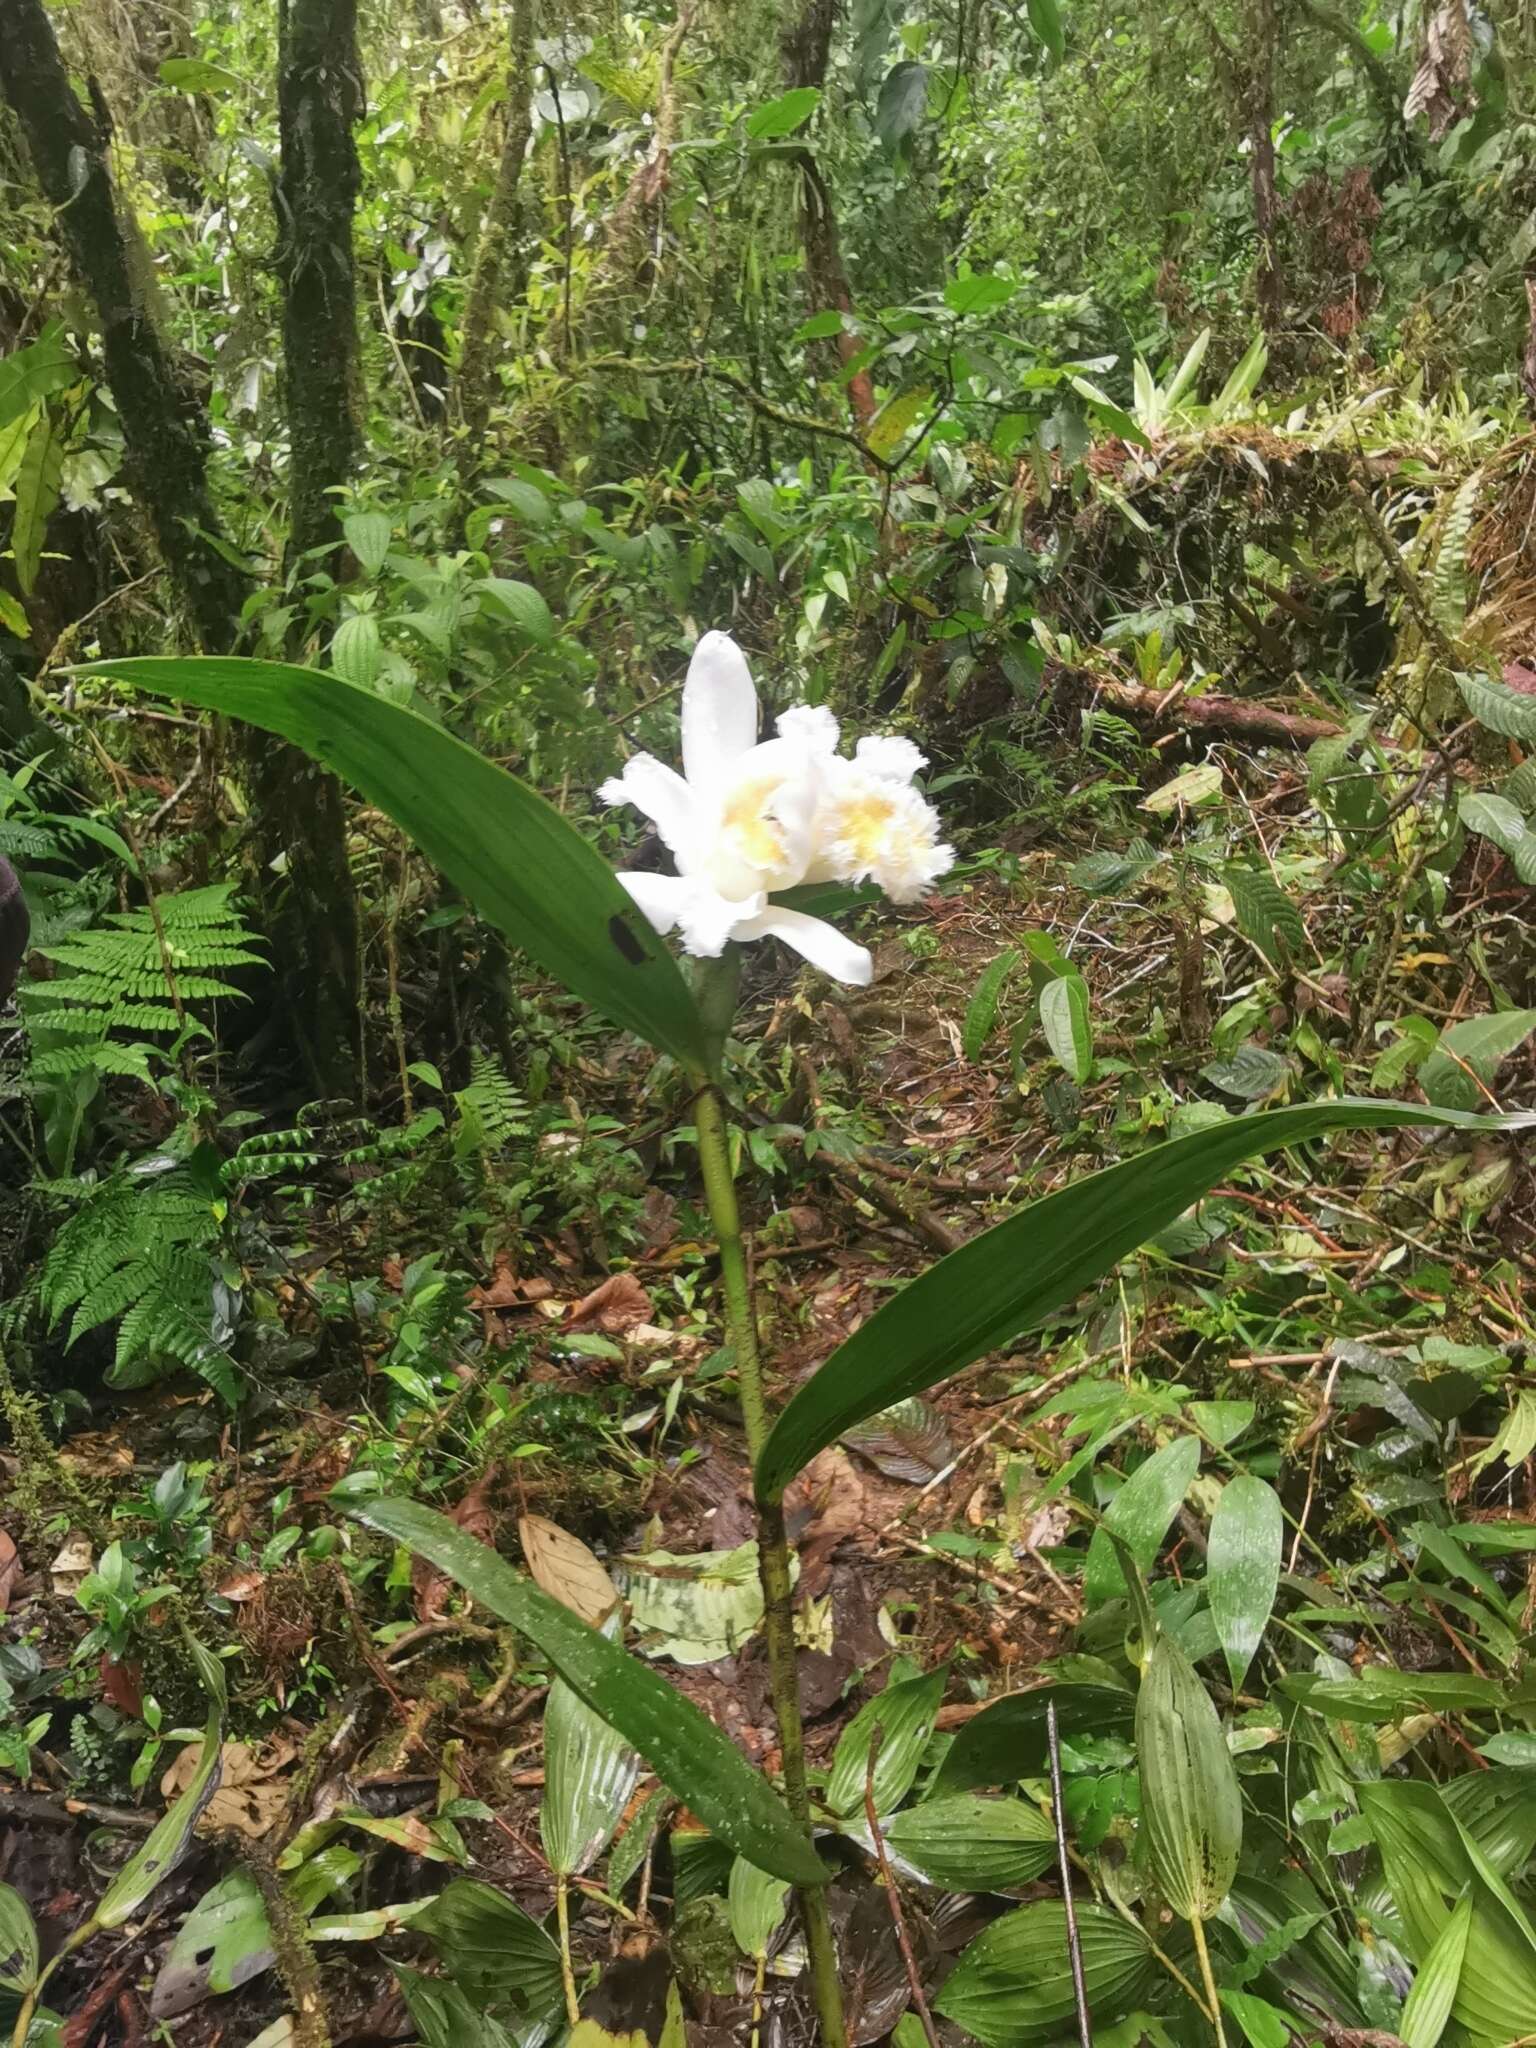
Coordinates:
1448	586
489	1114
144	1252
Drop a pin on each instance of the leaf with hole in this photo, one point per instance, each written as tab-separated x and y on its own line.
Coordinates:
1242	1568
1013	1276
687	1751
512	854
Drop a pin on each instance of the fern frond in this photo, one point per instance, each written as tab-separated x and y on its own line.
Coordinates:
1448	588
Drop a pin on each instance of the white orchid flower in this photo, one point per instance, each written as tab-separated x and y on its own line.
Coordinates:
748	819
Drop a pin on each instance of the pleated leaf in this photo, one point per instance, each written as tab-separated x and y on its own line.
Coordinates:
904	1713
685	1749
755	1901
589	1773
1191	1806
513	855
1011	1277
1429	2003
1012	1987
973	1844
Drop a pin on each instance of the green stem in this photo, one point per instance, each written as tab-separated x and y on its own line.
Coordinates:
1207	1977
716	988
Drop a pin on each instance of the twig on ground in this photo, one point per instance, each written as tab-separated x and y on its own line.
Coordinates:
1074	1945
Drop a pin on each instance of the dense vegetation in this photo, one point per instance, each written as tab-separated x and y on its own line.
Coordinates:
955	1466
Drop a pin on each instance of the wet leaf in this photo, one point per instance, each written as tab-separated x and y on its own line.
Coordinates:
1243	1568
696	1609
1428	2005
908	1441
18	1941
1007	1740
968	1843
492	1949
1012	1987
171	1837
685	1749
757	1902
1140	1515
589	1774
904	1713
1191	1805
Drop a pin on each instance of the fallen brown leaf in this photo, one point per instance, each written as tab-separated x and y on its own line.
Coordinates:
242	1585
562	1566
250	1797
67	1571
10	1569
121	1687
614	1307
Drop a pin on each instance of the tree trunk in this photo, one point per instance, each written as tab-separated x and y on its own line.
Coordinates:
807	48
299	811
296	808
1269	288
498	234
164	449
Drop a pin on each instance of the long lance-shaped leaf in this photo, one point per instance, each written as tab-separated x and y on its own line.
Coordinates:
992	1289
513	855
684	1748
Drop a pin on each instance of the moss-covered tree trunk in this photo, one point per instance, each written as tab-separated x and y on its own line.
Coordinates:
164	448
297	820
498	238
320	96
807	51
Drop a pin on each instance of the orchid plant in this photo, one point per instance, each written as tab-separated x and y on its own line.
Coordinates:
747	823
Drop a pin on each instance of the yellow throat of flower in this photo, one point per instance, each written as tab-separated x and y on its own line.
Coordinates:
746	822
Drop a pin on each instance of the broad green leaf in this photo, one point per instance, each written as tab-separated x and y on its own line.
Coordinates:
34	372
493	1950
18	1941
1140	1515
356	651
1428	2005
902	104
1265	914
1191	1806
367	535
1496	818
170	1838
223	1943
37	493
1099	874
1012	1987
1045	20
791	110
820	326
1242	1568
968	1843
523	500
520	603
1065	1021
1244	380
686	1751
1430	1861
994	1288
513	855
981	1011
632	1847
1498	1810
1194	786
904	1713
1250	1073
195	74
1263	2025
1007	1740
444	2017
756	1902
1480	1044
900	415
1510	713
1378	1695
982	293
589	1773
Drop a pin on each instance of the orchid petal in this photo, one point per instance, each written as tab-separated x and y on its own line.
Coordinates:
890	756
659	896
811	726
719	709
814	939
660	794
